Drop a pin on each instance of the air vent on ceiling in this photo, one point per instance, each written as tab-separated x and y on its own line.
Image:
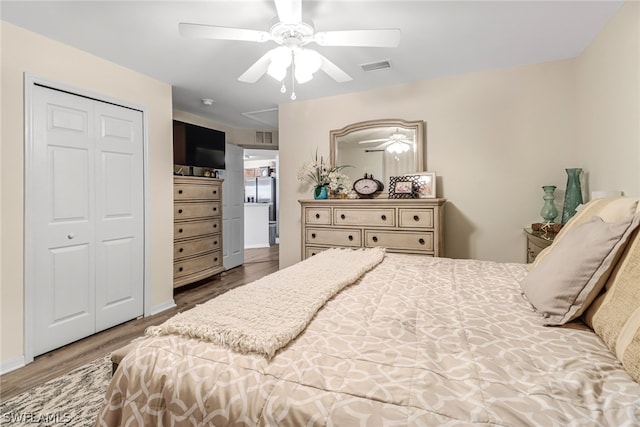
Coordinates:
379	65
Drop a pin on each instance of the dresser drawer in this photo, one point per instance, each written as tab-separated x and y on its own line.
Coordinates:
320	216
196	210
415	218
313	250
400	240
368	217
188	248
335	237
197	264
185	230
196	192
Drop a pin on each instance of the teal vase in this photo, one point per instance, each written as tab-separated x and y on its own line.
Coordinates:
549	211
320	193
572	195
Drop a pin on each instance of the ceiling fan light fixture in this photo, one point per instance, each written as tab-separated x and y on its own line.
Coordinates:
306	63
398	147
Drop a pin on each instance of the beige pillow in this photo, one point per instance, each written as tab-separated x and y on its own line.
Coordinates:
615	315
610	210
569	278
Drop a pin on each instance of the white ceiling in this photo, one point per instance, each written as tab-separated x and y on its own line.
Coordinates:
439	38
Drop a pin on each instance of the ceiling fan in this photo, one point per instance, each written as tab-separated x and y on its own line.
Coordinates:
397	142
292	35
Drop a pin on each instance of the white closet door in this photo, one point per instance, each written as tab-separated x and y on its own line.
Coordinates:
233	207
119	214
87	189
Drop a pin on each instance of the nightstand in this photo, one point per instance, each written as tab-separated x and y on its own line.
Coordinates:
537	241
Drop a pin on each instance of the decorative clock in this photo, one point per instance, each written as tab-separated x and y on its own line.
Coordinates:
366	186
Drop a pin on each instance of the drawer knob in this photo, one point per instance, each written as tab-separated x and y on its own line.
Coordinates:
180	269
215	242
342	216
375	239
416	218
215	191
384	217
180	230
215	225
215	209
313	235
421	241
317	216
350	237
70	236
313	253
179	211
179	191
215	259
181	250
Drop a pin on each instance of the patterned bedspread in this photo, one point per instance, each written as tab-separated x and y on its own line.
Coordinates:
417	341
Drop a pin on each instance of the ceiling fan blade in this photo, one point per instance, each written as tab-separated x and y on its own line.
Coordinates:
333	70
369	141
257	70
289	11
222	33
359	38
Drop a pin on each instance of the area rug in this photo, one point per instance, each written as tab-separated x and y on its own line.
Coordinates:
73	399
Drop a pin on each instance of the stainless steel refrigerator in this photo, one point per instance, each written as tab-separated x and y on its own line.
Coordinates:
266	193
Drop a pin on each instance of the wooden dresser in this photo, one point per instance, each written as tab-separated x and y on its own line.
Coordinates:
400	225
197	228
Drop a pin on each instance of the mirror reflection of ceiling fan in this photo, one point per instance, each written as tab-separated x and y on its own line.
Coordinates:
292	35
397	142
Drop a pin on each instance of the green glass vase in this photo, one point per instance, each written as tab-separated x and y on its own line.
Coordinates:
320	193
572	195
549	211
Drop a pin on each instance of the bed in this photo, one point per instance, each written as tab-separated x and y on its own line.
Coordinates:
420	341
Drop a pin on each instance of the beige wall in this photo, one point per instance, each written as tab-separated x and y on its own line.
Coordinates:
494	138
608	104
24	51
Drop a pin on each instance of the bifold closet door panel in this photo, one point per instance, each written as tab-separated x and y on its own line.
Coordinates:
86	217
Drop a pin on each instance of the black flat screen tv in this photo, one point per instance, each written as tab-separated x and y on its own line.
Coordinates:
198	146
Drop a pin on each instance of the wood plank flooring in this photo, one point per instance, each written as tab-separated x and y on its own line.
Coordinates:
258	263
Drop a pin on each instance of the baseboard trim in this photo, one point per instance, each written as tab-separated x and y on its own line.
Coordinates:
161	307
12	365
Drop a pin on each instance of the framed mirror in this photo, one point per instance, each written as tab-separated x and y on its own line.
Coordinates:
382	148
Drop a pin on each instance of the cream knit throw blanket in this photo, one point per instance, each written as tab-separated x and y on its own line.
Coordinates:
267	314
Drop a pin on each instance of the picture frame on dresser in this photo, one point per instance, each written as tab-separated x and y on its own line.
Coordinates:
426	185
403	187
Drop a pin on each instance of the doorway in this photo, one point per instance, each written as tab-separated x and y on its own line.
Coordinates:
262	199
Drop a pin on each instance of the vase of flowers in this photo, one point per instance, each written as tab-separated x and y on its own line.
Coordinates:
325	179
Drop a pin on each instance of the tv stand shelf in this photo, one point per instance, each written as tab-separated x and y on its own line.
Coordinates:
197	228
